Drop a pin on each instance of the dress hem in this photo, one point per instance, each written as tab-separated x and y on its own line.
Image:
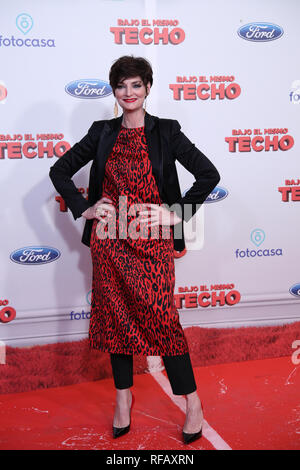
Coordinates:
135	353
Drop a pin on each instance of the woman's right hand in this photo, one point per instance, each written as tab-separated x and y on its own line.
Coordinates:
99	209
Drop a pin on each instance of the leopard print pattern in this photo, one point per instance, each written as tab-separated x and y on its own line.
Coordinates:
132	306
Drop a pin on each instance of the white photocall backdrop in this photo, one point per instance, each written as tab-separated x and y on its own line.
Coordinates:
227	71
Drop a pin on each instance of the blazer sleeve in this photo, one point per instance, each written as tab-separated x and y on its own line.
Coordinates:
205	173
67	165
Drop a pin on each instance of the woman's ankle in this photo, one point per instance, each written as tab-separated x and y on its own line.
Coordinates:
123	394
192	399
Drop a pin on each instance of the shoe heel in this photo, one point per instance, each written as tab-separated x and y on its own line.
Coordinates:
188	438
118	432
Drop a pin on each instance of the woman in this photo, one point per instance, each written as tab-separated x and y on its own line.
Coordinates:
133	171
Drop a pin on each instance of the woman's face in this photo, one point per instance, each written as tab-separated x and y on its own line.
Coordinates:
130	93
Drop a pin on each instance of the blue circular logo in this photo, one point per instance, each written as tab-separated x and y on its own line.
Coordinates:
216	195
88	88
33	255
295	290
260	32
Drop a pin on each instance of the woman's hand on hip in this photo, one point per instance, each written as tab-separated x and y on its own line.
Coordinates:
101	208
158	215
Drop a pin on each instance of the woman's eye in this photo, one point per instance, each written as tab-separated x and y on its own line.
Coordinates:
135	86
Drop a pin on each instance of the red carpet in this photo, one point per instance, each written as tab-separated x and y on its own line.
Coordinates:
62	364
249	405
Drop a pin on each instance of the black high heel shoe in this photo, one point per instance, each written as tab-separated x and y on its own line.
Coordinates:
188	438
117	432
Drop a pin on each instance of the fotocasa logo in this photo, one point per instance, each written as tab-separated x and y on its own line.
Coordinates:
24	23
89	297
258	237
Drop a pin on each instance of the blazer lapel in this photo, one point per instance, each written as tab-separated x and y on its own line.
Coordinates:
154	148
107	140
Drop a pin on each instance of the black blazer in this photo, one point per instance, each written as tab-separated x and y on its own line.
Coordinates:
166	144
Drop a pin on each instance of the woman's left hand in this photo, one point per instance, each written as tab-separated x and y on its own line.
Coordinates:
158	215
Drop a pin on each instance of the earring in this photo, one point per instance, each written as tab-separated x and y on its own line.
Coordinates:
145	104
116	110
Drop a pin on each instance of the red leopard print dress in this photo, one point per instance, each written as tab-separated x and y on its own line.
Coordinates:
132	307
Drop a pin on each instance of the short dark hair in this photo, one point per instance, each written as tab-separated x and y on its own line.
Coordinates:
129	66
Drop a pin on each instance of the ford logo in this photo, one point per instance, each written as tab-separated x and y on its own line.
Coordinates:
32	255
295	290
216	195
260	32
88	88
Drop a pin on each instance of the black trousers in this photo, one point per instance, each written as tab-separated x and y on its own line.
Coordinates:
179	371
